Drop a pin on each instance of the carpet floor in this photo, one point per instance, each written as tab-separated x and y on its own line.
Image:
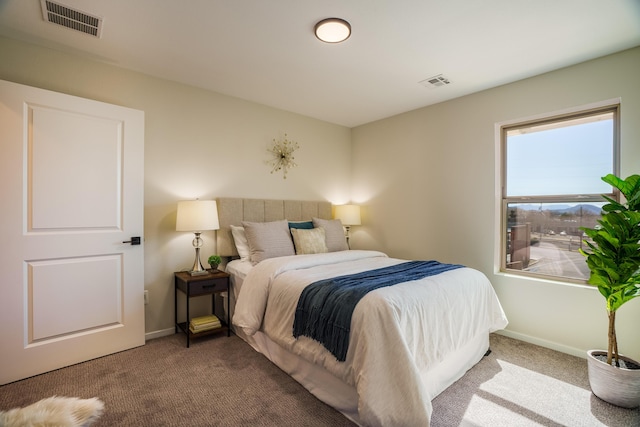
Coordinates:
224	382
524	385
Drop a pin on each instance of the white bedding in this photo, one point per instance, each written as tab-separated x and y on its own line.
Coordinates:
399	334
239	268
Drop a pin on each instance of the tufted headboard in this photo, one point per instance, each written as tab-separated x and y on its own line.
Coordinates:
232	211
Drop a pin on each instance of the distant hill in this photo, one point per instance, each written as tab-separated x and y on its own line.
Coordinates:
560	209
595	210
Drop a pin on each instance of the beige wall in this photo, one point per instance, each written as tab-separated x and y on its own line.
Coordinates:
427	182
425	178
197	144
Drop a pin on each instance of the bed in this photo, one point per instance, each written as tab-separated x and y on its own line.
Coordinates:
406	342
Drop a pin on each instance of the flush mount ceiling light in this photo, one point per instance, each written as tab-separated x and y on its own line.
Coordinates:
333	30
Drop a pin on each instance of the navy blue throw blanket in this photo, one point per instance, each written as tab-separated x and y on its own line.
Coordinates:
325	307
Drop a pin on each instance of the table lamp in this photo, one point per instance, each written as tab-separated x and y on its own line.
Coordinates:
349	215
197	216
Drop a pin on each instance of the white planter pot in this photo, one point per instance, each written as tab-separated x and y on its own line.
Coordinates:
618	386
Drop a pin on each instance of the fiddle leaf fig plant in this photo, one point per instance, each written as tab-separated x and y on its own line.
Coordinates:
613	256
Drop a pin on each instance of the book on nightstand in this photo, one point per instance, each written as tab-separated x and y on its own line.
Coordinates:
204	323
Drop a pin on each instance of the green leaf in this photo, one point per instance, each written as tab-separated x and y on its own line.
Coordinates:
629	187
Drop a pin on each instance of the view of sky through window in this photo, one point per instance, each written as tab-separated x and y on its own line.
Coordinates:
560	160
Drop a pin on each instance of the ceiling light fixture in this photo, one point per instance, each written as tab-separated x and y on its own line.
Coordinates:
333	30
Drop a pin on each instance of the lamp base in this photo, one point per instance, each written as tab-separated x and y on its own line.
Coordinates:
199	273
197	269
346	234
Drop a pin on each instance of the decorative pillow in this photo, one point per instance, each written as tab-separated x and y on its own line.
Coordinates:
334	234
306	225
309	241
240	239
268	240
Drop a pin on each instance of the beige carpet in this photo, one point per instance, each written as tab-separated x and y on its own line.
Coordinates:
223	382
523	385
217	382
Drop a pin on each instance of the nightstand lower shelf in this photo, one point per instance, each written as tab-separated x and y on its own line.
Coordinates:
185	328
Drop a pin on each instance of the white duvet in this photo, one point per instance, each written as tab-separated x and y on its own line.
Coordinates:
398	333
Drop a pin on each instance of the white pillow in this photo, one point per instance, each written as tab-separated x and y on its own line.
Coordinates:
309	241
268	240
240	239
334	234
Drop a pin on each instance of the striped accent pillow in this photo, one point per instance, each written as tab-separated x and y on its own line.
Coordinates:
309	241
268	240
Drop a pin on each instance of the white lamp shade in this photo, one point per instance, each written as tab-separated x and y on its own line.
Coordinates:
197	215
348	214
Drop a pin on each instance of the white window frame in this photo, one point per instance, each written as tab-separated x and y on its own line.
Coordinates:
501	199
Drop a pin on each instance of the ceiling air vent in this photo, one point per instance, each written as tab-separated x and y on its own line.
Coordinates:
435	81
57	13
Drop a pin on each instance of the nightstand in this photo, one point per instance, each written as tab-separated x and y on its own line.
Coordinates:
212	283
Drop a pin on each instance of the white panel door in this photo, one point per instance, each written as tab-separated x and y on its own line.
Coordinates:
71	185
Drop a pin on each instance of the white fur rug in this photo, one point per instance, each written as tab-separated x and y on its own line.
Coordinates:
54	411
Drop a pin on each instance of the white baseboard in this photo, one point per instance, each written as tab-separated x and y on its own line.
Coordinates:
544	343
159	334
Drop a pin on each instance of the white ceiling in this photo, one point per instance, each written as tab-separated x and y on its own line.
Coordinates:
265	51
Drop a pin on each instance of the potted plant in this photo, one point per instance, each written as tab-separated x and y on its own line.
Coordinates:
214	261
614	260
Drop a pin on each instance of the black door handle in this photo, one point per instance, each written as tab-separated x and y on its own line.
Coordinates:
133	241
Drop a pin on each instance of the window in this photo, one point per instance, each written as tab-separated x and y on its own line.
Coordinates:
551	186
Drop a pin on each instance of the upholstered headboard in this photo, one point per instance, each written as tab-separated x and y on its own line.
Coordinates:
232	211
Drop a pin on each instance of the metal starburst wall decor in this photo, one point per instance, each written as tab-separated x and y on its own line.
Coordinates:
282	151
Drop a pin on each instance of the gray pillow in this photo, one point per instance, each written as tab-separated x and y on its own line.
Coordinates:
268	240
334	234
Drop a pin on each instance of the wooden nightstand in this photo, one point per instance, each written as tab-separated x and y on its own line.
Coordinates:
212	284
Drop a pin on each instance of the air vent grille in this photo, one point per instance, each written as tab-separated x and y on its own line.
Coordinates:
435	81
70	18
